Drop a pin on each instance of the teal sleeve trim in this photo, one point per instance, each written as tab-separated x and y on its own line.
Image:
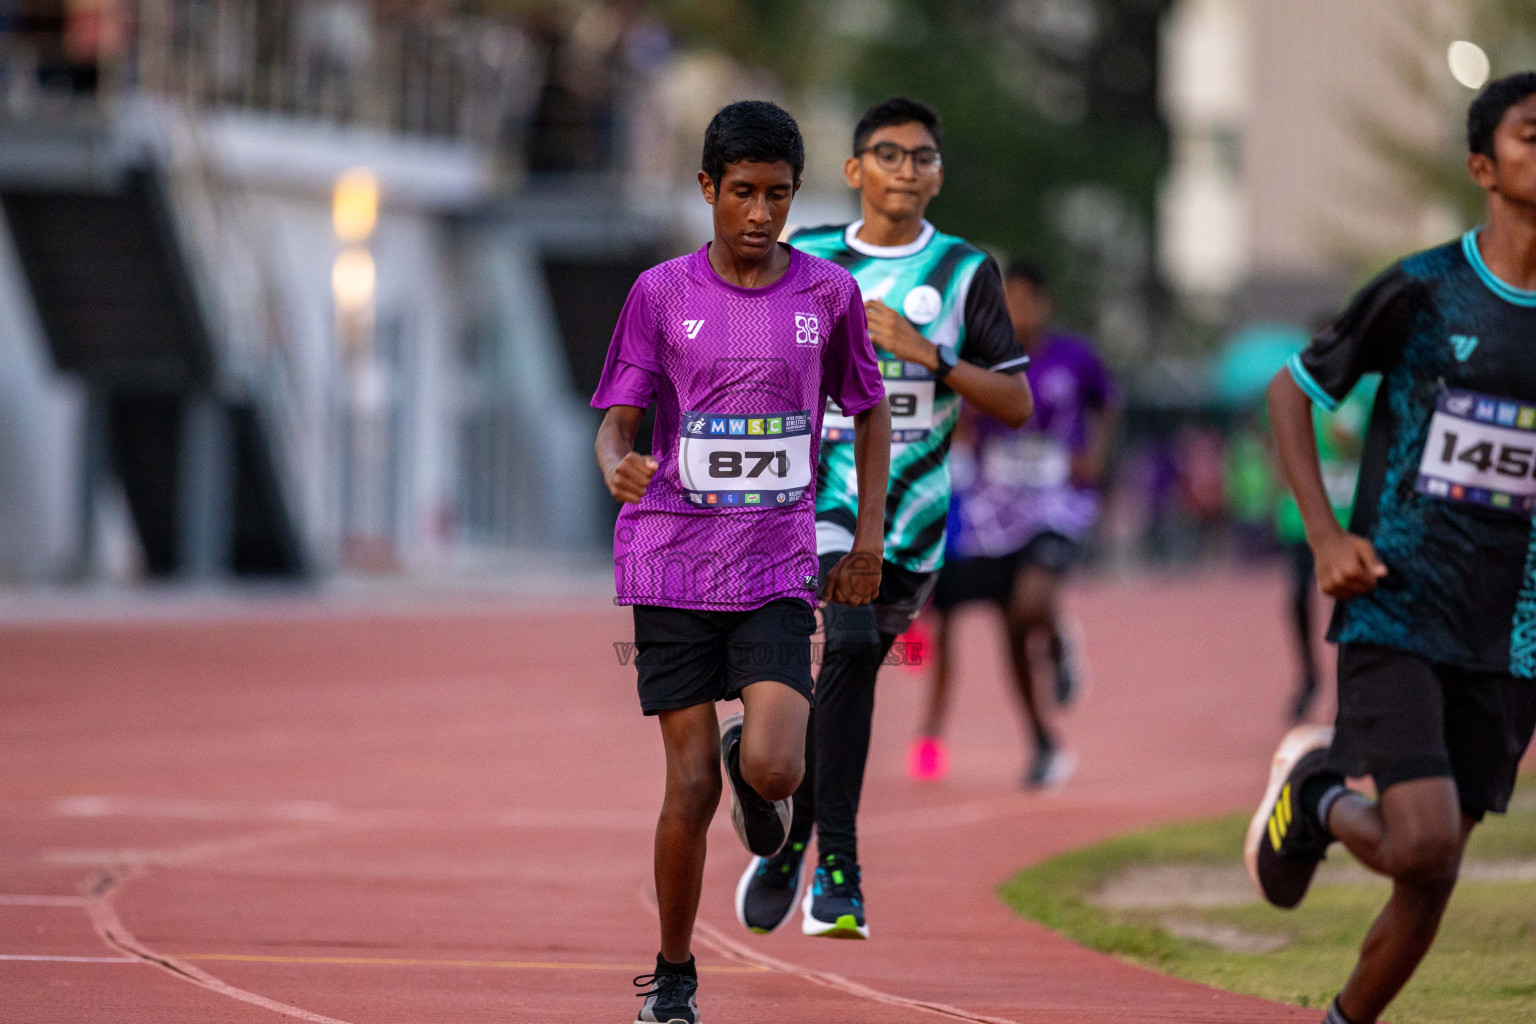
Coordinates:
1313	389
1505	291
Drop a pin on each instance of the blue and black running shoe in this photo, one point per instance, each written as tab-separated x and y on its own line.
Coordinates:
833	907
766	894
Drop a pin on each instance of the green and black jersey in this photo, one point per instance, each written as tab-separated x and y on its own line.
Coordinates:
952	292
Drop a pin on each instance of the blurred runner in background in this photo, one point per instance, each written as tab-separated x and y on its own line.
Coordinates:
1024	502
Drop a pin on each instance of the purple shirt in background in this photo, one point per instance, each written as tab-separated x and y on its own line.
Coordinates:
739	377
1012	485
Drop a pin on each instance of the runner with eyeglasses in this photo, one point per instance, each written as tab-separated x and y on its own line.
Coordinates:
942	333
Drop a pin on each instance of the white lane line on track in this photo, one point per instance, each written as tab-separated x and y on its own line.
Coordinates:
729	948
39	958
177	809
98	906
17	899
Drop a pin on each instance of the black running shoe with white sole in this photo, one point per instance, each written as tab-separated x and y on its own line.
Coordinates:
766	894
833	907
671	995
1285	845
762	825
1051	767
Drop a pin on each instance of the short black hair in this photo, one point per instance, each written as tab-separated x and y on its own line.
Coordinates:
1026	269
752	130
894	111
1488	110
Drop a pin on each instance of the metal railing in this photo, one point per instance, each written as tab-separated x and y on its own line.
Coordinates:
412	71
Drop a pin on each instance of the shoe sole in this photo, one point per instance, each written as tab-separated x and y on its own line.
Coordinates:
845	927
784	808
1297	744
746	882
671	1020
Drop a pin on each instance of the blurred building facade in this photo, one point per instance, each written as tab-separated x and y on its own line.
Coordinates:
1281	194
292	285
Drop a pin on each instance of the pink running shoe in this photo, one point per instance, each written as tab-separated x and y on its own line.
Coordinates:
928	759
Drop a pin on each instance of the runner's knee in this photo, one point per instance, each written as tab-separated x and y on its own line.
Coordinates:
694	791
773	775
1429	860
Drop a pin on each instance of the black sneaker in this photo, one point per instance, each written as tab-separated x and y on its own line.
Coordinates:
766	894
762	825
1051	767
833	907
671	996
1284	845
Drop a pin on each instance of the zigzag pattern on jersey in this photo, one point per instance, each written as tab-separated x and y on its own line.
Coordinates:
716	559
744	360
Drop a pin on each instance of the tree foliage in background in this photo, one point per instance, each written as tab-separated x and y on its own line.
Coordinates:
1436	173
1054	145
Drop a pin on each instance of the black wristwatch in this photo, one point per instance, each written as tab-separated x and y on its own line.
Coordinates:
947	362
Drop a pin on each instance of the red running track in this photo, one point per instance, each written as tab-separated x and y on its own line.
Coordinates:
445	815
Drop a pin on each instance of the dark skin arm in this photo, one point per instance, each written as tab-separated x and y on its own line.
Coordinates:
1003	396
1347	565
855	579
626	472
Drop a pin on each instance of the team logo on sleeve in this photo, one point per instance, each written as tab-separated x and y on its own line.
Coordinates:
807	329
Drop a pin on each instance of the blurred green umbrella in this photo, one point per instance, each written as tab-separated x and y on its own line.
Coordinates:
1251	357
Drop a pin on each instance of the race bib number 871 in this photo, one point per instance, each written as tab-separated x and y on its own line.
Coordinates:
728	460
1481	450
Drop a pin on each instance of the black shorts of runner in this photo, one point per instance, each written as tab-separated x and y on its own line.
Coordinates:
991	578
1403	718
902	595
687	657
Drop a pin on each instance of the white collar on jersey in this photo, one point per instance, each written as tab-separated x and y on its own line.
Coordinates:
888	252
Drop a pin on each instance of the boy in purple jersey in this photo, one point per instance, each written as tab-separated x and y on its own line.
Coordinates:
739	345
1024	502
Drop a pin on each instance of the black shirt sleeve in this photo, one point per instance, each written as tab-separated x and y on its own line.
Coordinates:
1368	338
989	339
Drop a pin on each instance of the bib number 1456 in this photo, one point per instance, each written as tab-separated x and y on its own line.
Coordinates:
1481	450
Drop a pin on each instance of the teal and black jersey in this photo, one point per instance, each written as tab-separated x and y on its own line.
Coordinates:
952	292
1448	478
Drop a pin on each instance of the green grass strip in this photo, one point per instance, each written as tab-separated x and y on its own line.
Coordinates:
1482	969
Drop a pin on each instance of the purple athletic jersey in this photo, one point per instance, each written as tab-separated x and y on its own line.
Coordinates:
739	377
1013	485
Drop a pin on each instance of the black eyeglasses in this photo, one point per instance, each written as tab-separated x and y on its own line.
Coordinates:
890	156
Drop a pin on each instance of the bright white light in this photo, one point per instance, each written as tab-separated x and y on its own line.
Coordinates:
1469	64
352	280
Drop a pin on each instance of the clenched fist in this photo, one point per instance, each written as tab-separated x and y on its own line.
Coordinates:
854	580
1347	566
630	477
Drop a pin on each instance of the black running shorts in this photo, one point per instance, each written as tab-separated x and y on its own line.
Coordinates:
1403	718
687	657
991	578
